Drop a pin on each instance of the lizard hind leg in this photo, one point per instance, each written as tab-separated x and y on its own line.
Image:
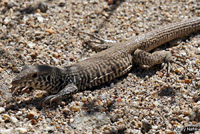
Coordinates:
142	57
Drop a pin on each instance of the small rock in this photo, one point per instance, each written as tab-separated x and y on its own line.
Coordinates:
32	115
186	113
179	70
198	50
66	110
156	103
1	45
187	81
13	119
61	4
39	17
6	131
21	130
196	98
34	122
7	20
183	53
75	108
110	2
55	60
140	25
50	31
2	109
146	126
19	113
49	129
160	74
6	117
34	55
56	55
31	44
71	57
155	127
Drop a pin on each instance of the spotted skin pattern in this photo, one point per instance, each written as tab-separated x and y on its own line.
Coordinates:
106	65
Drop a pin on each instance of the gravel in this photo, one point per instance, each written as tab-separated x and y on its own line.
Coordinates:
146	100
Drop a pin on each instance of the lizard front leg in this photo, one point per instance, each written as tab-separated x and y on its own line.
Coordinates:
67	91
99	45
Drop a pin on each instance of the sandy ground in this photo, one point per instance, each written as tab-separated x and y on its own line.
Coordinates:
146	100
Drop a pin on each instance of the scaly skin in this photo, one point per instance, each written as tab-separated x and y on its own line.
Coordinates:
105	65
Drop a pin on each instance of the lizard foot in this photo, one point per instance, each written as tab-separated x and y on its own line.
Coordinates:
170	59
50	99
96	40
63	94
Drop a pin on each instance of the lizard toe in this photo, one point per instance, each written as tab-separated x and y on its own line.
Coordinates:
48	100
55	98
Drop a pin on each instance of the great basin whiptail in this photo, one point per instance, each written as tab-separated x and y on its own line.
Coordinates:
103	66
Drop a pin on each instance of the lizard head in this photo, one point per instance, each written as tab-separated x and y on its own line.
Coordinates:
33	77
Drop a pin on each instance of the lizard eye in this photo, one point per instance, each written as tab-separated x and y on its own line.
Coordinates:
34	75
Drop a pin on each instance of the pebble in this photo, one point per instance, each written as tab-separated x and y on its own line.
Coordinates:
13	119
198	50
31	44
156	103
56	55
55	60
183	53
154	127
7	20
6	117
34	121
49	129
62	4
2	109
40	19
179	70
19	113
21	130
75	108
66	110
32	115
146	126
188	81
50	31
6	131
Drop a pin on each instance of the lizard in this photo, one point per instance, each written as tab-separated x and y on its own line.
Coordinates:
104	66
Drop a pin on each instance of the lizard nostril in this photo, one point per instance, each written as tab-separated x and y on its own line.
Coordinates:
34	75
